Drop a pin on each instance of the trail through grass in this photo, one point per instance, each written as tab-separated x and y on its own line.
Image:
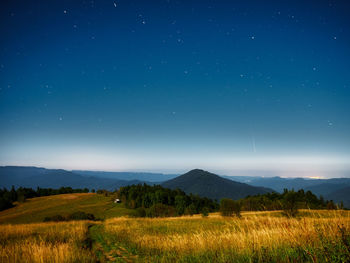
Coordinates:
107	249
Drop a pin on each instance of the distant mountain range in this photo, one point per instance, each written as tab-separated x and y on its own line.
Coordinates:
140	176
336	189
342	194
210	185
196	181
53	178
279	183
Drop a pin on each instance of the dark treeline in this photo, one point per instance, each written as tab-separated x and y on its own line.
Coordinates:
288	200
8	197
156	201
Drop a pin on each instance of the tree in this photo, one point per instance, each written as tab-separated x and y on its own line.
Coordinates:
13	194
180	204
21	198
331	205
205	212
290	203
190	210
228	207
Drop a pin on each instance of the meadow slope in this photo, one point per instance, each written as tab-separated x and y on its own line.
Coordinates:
36	209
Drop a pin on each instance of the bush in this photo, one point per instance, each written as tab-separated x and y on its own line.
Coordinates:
80	216
55	218
228	207
331	205
160	210
190	210
21	198
140	212
205	212
5	204
74	216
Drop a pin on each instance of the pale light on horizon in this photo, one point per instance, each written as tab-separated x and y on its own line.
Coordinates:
309	166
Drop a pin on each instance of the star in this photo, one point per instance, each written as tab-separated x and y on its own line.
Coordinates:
64	11
60	118
252	37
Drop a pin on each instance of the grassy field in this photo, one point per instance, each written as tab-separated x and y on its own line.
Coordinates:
36	209
314	236
45	242
320	236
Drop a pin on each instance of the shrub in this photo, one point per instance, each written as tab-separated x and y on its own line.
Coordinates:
80	216
190	210
331	205
140	212
160	210
205	212
55	218
21	198
5	204
228	207
74	216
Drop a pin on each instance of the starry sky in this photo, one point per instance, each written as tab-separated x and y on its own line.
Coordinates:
234	87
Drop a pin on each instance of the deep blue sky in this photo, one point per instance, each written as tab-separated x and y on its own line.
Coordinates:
227	86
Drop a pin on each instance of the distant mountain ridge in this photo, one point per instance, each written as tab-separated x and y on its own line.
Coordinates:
210	185
54	178
336	189
141	176
339	195
279	183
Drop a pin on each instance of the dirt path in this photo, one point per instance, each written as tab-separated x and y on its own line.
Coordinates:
105	249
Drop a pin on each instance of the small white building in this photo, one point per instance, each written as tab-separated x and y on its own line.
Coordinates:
117	201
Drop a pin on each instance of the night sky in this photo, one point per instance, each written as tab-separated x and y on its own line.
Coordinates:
234	87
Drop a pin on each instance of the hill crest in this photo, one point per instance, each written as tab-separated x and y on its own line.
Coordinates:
206	184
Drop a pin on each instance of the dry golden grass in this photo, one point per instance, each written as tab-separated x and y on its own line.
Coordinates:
256	237
253	233
44	242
